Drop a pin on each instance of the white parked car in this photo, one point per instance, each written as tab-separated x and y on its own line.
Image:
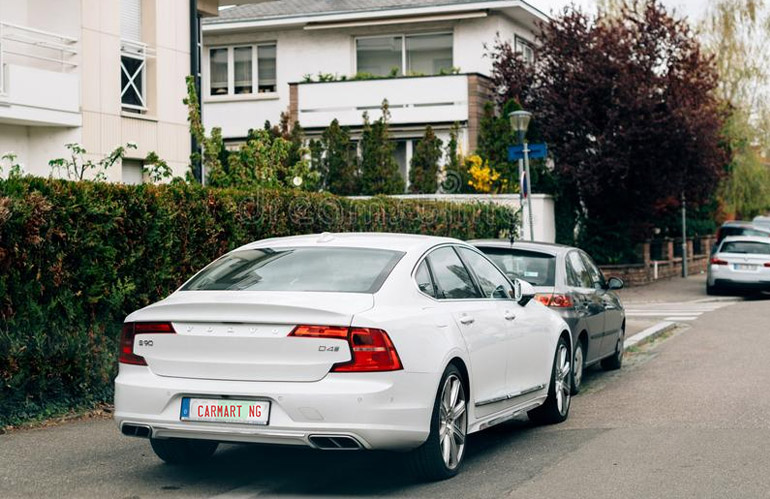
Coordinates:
740	263
342	341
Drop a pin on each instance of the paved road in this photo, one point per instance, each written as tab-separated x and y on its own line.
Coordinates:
688	416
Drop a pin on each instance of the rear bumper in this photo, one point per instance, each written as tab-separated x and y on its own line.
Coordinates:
742	285
379	410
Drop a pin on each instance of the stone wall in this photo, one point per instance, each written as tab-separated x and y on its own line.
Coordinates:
662	260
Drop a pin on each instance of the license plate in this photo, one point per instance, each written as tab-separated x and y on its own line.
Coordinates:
254	412
745	266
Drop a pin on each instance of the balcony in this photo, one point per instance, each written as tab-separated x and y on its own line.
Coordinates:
39	85
412	100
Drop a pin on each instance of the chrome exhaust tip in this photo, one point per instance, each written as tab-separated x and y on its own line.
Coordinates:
136	430
335	442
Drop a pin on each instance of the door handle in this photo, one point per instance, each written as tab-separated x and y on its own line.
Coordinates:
467	320
509	316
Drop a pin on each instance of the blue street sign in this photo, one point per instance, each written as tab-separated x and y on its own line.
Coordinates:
536	151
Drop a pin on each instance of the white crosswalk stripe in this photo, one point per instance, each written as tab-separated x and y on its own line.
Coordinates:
677	312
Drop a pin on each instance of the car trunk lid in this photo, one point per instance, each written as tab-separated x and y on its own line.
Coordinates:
244	336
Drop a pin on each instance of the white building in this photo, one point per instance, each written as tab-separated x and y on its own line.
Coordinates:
256	59
100	73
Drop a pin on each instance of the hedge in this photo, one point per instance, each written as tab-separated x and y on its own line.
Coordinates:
76	258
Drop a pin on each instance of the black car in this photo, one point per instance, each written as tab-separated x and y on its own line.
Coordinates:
568	281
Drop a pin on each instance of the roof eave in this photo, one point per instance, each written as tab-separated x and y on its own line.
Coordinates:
302	20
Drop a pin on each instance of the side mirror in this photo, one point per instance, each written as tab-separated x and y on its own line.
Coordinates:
523	292
615	283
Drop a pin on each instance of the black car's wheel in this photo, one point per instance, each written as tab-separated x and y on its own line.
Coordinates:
556	406
182	450
441	456
578	367
615	362
712	290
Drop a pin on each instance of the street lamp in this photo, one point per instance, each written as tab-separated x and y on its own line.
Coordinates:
520	123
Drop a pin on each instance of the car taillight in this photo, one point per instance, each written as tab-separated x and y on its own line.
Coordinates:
129	332
555	300
717	261
371	349
767	264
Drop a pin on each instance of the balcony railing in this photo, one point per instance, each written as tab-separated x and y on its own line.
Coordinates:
412	100
133	75
36	48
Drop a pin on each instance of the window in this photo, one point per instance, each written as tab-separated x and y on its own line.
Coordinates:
538	269
400	55
429	54
452	278
597	278
132	172
266	56
577	274
493	283
133	58
424	280
526	49
745	247
242	70
242	62
340	270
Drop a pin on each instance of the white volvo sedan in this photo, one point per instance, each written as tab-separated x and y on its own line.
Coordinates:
342	342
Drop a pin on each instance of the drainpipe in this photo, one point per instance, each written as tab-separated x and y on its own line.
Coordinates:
195	71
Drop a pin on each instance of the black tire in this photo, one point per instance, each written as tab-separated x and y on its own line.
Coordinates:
556	407
427	461
615	362
713	290
182	450
578	367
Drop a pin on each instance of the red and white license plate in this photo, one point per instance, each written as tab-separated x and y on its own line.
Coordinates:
255	412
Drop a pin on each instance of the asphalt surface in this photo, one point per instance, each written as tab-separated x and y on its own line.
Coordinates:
687	416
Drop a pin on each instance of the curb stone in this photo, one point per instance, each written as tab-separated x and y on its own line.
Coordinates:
649	334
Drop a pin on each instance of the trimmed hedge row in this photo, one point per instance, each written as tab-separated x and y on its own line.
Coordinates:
76	258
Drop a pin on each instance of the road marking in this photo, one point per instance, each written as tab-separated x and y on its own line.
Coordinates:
682	311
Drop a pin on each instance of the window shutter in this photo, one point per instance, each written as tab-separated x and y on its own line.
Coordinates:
131	20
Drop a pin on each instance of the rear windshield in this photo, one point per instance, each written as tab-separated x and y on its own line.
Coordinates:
746	247
538	269
339	270
741	231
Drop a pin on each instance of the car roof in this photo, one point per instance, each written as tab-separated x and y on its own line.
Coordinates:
738	223
550	248
378	240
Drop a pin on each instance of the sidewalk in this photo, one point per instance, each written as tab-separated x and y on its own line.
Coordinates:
675	289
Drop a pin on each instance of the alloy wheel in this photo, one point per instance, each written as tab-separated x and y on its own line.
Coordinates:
563	385
452	421
577	375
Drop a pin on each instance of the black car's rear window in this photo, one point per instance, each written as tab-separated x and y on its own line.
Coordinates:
746	247
341	270
538	269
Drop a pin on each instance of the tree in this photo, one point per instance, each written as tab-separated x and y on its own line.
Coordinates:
423	174
737	33
379	170
628	107
339	165
455	177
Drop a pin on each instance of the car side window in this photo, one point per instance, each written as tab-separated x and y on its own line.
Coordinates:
493	283
424	280
577	274
452	278
597	278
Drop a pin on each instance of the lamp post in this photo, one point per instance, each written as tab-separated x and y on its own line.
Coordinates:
520	123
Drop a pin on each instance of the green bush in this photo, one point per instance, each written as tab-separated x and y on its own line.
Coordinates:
77	257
